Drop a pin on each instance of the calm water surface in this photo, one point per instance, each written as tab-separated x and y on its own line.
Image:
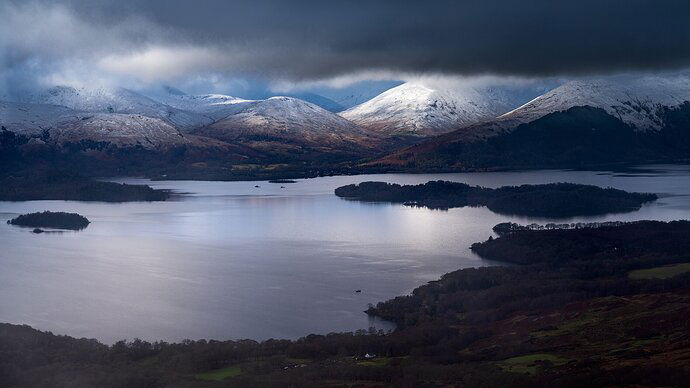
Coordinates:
227	260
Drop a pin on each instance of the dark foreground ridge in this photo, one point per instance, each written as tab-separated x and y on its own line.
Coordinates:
54	220
604	306
579	137
63	185
553	200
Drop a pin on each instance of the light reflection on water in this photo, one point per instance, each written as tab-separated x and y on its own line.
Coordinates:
228	260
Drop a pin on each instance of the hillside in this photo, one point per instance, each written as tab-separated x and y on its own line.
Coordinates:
121	130
33	119
292	126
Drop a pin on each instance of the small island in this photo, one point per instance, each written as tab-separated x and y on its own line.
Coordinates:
554	200
53	220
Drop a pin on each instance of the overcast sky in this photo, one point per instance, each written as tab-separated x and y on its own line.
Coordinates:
287	44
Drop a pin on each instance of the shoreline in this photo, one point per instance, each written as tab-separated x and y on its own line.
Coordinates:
537	322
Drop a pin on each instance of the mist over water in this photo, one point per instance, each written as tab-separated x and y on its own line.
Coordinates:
227	260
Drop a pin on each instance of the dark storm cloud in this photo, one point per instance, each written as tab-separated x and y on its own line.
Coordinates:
300	40
323	38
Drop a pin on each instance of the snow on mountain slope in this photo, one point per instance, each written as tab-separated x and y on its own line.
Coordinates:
119	129
288	118
33	119
417	110
635	101
117	100
60	125
357	93
639	101
214	106
316	99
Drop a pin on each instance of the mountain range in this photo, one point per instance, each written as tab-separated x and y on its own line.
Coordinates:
409	126
289	125
584	122
116	100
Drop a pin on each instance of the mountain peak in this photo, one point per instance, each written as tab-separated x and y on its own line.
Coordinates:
420	110
290	109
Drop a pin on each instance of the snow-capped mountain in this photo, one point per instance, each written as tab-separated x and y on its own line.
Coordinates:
33	119
605	120
357	93
636	101
285	128
117	100
419	110
60	125
124	119
290	119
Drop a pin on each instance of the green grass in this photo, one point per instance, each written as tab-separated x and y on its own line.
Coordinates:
291	360
219	374
529	363
665	272
570	326
378	362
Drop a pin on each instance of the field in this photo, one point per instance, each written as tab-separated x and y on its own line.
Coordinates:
664	272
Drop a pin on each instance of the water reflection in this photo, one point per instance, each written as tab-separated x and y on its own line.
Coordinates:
229	260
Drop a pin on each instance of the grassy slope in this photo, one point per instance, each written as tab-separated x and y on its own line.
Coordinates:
220	374
664	272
